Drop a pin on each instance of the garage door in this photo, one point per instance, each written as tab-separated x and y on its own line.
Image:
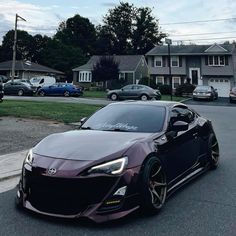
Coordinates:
222	86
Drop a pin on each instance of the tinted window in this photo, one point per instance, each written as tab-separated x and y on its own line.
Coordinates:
181	114
128	87
203	88
128	117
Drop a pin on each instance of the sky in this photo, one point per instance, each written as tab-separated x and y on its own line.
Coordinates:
43	16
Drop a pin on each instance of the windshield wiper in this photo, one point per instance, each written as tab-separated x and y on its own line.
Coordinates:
118	130
86	127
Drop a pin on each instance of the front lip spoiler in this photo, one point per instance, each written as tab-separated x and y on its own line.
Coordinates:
89	213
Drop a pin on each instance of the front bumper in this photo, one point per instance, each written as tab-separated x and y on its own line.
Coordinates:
89	197
232	97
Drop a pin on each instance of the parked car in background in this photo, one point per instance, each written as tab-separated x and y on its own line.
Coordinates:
4	79
19	88
41	81
65	89
126	156
205	92
1	90
232	95
134	91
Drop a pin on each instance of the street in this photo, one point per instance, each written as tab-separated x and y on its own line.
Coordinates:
206	206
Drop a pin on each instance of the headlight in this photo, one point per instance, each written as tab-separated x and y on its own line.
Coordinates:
29	158
111	167
194	93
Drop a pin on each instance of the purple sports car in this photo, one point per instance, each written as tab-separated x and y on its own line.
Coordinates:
126	156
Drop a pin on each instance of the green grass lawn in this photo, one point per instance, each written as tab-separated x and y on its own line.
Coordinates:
62	112
95	94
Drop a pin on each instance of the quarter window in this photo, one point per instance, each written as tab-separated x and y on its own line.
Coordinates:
181	114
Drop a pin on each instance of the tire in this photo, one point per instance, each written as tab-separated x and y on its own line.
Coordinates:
20	92
67	94
213	152
144	97
153	186
18	201
114	97
42	93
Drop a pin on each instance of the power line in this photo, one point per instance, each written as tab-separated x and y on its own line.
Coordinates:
177	35
233	37
198	21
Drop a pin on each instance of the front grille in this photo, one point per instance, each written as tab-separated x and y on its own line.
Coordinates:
67	196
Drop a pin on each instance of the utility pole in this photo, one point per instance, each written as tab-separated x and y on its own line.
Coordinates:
14	48
169	42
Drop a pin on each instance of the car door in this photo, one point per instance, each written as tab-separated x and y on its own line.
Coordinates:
126	92
181	150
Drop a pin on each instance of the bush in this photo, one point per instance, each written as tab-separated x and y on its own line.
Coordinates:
149	82
165	89
184	89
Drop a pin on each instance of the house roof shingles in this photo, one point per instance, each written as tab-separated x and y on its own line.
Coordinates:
126	62
24	66
187	49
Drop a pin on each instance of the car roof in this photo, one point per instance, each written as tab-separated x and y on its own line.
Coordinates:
168	104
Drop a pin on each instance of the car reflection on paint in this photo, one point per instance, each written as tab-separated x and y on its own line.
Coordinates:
127	156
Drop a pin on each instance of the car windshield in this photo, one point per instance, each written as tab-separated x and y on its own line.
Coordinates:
203	89
128	118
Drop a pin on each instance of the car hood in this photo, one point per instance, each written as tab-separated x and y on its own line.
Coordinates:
87	145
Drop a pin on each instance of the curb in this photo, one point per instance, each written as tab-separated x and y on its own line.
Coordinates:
10	165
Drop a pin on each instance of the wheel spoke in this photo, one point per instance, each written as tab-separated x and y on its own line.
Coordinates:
156	172
157	184
215	144
156	195
215	153
151	195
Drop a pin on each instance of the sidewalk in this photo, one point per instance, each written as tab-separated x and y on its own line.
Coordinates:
11	164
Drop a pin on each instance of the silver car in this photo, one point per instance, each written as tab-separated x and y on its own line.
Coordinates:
232	95
134	91
205	92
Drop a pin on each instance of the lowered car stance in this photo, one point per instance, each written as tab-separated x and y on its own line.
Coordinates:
126	156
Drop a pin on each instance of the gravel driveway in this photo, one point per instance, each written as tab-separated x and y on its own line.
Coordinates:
18	134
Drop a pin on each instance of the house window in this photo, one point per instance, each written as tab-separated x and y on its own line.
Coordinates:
16	73
175	61
158	61
85	76
176	82
159	80
216	60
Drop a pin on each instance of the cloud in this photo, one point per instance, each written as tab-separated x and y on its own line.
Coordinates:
38	19
109	4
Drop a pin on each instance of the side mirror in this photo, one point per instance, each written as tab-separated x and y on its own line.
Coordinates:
179	126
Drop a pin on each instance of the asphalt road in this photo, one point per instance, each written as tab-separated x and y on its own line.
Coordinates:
206	206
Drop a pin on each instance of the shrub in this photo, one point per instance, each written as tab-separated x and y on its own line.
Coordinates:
184	89
165	89
148	81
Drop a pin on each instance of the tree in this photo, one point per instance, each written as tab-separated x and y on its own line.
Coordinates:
62	57
118	23
24	49
131	30
78	32
105	69
145	33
